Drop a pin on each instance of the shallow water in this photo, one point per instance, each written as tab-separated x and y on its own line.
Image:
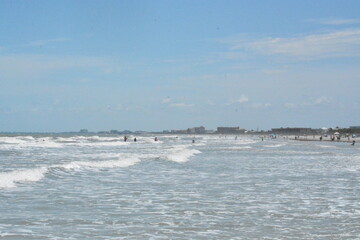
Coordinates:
99	187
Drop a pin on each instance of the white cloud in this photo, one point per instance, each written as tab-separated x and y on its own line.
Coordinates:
260	105
118	107
209	102
322	100
290	105
339	43
311	102
243	99
336	21
181	105
166	100
313	46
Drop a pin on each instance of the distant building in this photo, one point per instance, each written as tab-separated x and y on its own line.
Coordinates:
197	130
293	131
350	130
103	132
230	130
126	132
179	131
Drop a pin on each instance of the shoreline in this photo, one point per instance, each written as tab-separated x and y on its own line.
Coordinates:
317	139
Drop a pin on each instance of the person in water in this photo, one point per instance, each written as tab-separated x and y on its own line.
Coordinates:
125	138
353	143
156	139
134	139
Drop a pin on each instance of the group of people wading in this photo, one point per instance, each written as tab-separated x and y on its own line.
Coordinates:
155	139
135	140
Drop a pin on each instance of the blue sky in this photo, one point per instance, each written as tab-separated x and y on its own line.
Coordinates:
155	65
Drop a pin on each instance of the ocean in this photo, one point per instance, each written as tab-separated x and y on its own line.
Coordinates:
219	187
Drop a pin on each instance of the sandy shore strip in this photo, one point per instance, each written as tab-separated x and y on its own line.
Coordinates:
317	138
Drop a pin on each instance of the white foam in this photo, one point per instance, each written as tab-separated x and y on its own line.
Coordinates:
327	146
275	145
15	140
9	179
239	147
121	163
244	141
181	154
29	142
200	144
100	144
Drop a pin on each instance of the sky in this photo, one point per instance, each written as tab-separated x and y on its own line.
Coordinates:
162	65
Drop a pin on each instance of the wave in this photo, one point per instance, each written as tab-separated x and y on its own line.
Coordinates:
16	140
275	145
99	144
10	179
238	147
327	146
246	141
28	141
181	154
101	164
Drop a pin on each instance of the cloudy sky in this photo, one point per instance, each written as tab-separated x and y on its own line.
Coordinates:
155	65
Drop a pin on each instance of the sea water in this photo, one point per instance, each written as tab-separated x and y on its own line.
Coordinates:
219	187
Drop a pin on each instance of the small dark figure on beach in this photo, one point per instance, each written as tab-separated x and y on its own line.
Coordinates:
353	143
262	138
321	138
193	141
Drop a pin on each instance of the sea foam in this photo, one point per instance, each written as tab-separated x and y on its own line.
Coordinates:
101	164
9	179
181	154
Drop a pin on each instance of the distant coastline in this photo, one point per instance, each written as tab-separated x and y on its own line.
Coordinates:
302	133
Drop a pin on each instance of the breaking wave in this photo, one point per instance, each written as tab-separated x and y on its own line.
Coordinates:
10	179
181	154
101	164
